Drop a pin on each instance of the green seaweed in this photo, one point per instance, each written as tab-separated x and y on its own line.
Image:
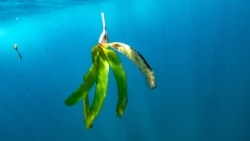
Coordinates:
102	58
101	89
120	77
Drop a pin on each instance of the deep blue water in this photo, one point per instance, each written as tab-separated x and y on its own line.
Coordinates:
199	51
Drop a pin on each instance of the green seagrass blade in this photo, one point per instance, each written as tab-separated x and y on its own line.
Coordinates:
101	89
88	81
120	77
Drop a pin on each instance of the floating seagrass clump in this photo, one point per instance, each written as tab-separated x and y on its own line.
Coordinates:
102	58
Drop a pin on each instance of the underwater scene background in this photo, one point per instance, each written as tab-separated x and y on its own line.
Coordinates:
199	51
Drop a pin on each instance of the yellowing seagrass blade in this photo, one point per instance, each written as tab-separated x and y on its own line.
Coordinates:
120	77
101	89
139	61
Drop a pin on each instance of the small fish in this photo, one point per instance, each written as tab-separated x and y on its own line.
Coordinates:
16	48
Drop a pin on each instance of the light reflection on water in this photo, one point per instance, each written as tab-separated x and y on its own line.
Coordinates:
10	9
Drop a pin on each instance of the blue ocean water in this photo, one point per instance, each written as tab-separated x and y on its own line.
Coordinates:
199	51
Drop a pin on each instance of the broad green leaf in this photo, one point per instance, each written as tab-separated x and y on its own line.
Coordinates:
101	89
94	53
84	88
86	107
120	77
89	80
